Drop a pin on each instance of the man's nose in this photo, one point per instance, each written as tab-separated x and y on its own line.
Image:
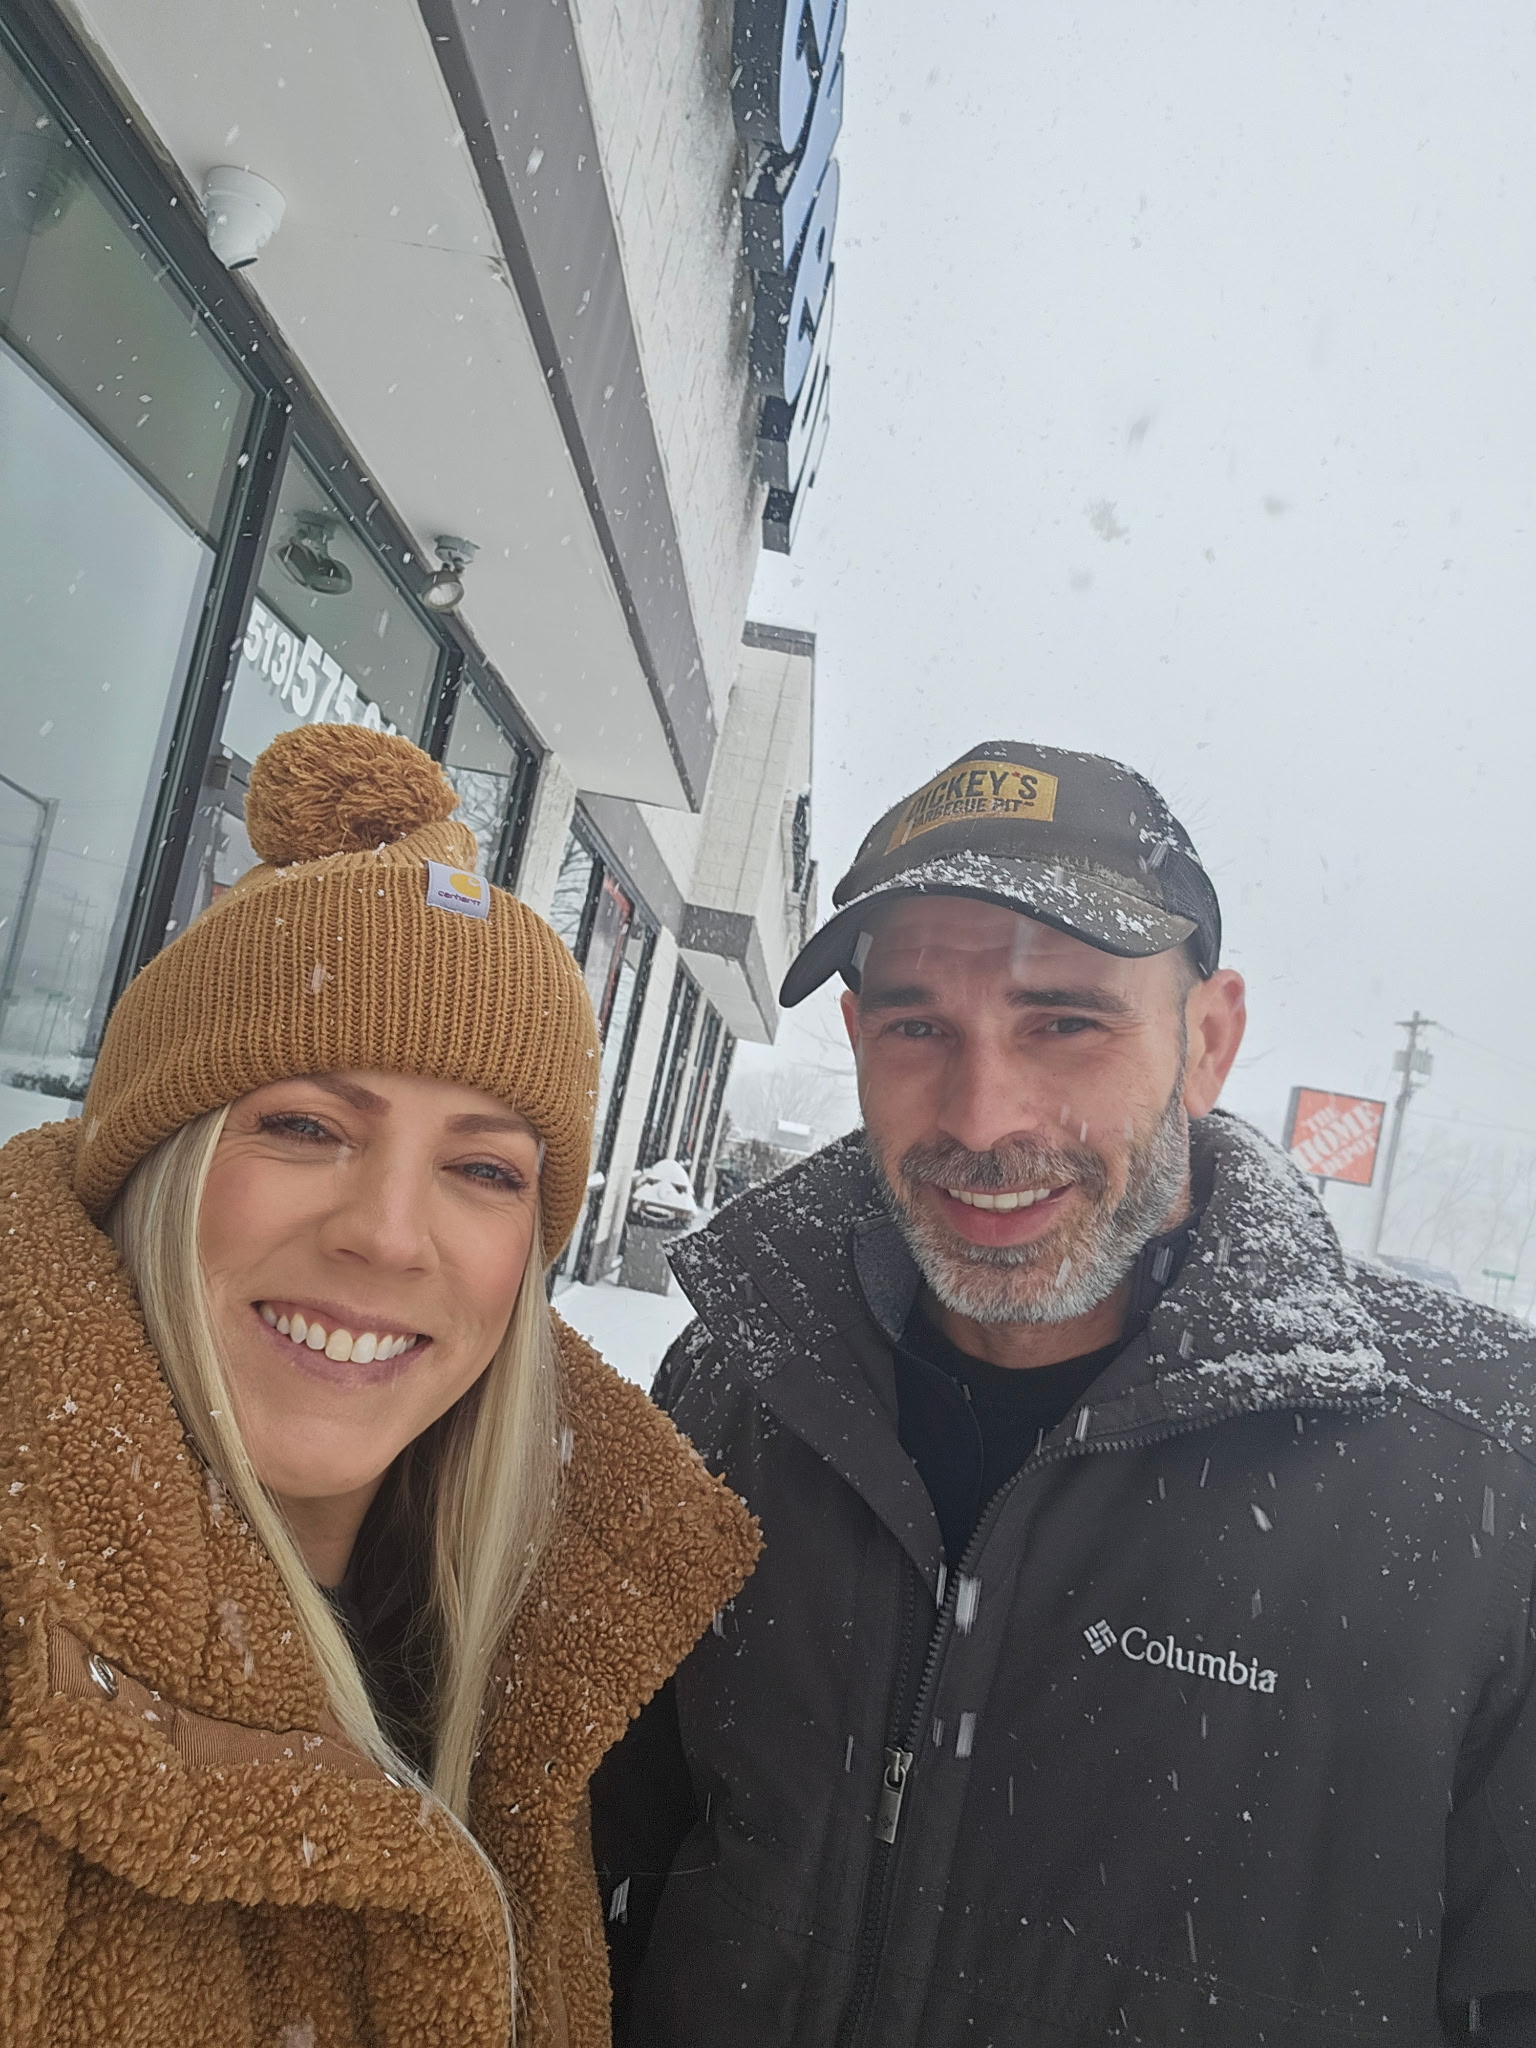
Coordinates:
991	1095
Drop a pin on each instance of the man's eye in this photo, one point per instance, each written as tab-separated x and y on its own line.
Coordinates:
913	1027
1071	1027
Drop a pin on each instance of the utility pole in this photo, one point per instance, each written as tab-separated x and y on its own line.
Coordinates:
1414	1064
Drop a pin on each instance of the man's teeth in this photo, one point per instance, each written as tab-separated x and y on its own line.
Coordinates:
340	1345
1024	1199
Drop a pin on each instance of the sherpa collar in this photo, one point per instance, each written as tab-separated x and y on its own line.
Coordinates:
116	1545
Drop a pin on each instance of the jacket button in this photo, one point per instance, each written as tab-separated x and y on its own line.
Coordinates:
103	1677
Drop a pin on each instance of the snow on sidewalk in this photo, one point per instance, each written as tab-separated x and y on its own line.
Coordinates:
632	1330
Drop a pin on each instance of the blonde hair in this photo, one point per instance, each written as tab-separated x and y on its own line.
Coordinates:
491	1488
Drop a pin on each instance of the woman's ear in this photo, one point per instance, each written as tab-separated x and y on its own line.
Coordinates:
1216	1015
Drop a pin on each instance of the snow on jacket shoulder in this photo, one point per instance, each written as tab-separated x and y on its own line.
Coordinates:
188	1852
1222	1733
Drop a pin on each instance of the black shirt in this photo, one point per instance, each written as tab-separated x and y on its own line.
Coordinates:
968	1425
384	1603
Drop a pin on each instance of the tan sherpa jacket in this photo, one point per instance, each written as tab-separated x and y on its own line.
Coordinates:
187	1858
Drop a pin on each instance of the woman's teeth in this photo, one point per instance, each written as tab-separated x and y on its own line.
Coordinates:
1024	1199
340	1345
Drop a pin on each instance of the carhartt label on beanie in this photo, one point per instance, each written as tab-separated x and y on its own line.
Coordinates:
365	941
452	889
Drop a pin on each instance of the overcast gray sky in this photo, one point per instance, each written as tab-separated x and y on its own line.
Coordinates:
1184	409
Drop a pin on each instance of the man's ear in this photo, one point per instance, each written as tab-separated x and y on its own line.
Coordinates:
850	1009
1216	1015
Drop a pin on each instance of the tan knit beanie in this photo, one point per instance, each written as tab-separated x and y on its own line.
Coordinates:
365	941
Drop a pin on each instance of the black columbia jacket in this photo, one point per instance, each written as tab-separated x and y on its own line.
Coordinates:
1223	1731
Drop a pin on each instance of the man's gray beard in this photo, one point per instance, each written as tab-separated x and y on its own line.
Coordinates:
990	1283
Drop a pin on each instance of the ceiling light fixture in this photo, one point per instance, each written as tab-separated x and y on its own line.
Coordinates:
445	592
307	555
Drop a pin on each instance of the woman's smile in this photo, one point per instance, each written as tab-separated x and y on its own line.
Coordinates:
320	1338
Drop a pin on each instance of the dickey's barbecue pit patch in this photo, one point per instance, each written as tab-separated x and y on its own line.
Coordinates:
977	789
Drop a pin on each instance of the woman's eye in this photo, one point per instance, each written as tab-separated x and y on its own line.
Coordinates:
293	1123
490	1174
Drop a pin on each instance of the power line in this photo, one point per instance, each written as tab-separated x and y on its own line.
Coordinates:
1492	1051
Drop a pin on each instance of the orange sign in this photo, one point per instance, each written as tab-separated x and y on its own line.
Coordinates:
1334	1137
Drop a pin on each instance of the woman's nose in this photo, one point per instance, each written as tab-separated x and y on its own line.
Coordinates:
382	1215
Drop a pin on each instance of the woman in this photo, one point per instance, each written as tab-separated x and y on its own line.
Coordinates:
330	1561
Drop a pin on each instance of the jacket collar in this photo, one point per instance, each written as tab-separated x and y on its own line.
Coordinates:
114	1544
1262	1314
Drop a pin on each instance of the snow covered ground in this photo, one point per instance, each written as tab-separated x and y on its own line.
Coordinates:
632	1330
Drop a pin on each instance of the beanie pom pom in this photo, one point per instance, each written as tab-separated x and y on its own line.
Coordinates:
323	789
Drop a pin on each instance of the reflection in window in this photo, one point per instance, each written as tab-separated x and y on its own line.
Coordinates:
487	768
573	894
612	1085
329	639
100	586
671	1065
687	1148
84	300
610	926
121	422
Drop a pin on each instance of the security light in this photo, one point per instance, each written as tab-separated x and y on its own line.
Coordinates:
307	556
445	592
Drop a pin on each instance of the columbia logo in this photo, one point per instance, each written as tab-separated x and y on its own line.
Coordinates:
1140	1647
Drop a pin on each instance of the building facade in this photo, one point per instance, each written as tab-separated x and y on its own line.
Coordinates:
507	300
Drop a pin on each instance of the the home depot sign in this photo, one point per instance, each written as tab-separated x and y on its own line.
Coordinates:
787	87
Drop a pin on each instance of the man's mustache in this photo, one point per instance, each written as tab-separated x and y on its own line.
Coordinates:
947	1164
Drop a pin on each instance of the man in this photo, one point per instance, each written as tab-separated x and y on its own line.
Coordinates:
1141	1649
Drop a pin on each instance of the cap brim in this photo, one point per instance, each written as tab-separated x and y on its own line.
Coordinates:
1084	906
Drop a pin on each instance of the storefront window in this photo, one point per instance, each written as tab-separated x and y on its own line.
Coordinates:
634	969
489	769
605	948
85	302
573	894
687	1148
671	1066
329	638
119	425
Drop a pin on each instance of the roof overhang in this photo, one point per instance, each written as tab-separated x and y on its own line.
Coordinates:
400	285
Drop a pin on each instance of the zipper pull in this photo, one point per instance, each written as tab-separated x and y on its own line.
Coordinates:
893	1784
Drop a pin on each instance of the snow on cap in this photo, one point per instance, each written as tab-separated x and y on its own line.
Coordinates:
1074	840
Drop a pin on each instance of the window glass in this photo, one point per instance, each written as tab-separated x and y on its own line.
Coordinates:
632	961
573	890
671	1065
329	638
698	1088
101	589
612	1083
484	766
85	302
605	947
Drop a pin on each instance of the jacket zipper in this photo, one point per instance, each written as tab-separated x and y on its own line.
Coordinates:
895	1764
901	1755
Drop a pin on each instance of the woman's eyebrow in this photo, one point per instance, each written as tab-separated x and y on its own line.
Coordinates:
349	1091
477	1120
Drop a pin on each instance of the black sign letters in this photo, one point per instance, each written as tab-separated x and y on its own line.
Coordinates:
788	94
